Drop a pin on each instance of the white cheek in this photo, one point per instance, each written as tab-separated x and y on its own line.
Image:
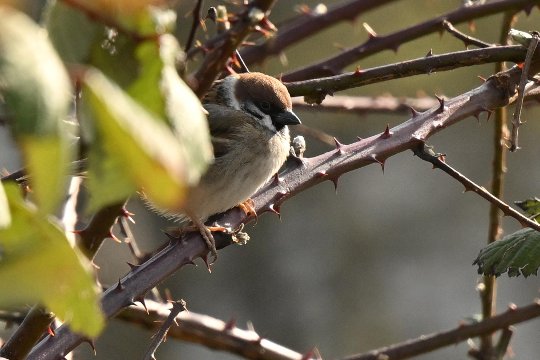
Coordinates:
267	122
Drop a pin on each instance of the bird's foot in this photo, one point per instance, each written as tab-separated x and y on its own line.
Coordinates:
206	233
248	207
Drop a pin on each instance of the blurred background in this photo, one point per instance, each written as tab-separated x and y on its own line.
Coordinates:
386	258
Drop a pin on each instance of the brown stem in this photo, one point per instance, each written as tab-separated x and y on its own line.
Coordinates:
226	44
318	88
488	290
438	161
210	332
33	327
392	41
306	25
427	343
194	25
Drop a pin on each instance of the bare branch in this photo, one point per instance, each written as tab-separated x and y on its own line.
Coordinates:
164	327
317	88
467	39
516	120
334	65
210	332
437	160
194	25
305	25
427	343
226	43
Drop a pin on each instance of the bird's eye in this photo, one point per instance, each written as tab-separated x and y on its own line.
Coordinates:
265	105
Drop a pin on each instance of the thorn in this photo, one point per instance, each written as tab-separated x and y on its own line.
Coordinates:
229	325
142	301
512	307
429	53
132	266
489	112
50	331
205	259
92	345
127	214
414	112
386	134
275	209
481	78
339	146
374	157
360	139
309	355
321	174
119	286
112	236
441	104
277	179
371	33
477	116
357	71
335	182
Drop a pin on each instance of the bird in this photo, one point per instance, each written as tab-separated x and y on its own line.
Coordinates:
248	118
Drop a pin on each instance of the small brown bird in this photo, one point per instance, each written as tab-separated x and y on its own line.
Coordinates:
248	116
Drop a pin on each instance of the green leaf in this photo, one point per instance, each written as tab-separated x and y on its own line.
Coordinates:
129	148
517	254
39	266
72	46
531	207
162	92
37	93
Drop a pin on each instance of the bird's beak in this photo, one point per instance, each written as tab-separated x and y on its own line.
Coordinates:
286	117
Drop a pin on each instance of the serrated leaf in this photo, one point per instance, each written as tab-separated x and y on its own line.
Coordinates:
129	147
517	254
39	266
37	93
531	207
72	46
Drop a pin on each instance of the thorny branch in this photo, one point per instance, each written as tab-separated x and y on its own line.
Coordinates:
308	24
299	175
168	322
516	120
487	288
427	343
210	332
316	89
392	41
467	39
220	335
226	43
438	161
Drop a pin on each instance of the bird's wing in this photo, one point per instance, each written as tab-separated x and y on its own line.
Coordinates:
224	124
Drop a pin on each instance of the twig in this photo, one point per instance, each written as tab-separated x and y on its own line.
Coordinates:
427	343
467	39
334	65
368	104
227	43
488	287
210	332
159	337
194	25
305	25
299	176
33	327
516	120
317	88
504	342
425	153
